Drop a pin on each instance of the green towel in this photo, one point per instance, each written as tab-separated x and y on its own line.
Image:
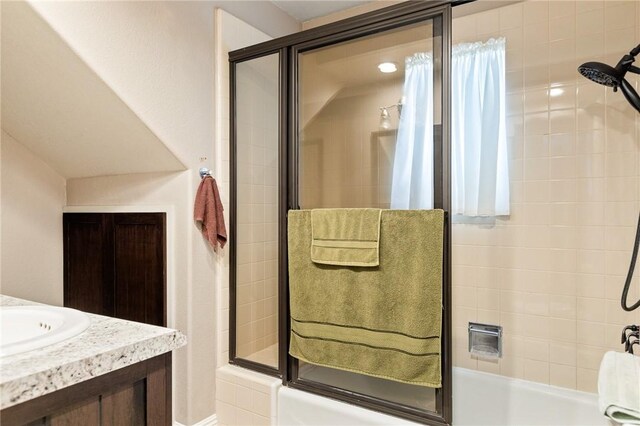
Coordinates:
347	237
383	321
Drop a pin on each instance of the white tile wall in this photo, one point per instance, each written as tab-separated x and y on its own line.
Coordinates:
245	398
551	274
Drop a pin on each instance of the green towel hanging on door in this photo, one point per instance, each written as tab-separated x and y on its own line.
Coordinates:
383	321
345	237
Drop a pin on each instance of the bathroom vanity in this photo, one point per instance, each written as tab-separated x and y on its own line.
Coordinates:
115	372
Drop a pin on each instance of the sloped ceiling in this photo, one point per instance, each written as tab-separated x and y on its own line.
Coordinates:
56	105
328	71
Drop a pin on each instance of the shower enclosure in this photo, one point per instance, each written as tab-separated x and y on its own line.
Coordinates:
316	118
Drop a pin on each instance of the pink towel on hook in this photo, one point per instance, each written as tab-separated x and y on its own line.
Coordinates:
208	211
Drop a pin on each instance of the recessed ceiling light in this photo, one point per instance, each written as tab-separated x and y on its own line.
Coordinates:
387	67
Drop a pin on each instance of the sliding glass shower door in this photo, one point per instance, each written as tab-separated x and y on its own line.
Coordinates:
353	114
368	113
369	135
256	213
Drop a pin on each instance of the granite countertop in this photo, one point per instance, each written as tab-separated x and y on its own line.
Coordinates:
108	344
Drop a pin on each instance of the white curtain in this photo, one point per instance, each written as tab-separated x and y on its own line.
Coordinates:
412	181
479	164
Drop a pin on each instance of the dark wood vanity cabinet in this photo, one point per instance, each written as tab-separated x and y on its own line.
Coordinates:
115	265
137	395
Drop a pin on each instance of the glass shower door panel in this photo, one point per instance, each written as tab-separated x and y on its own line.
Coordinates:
357	101
256	176
364	106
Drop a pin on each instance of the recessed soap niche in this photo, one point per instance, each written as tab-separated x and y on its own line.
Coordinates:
485	340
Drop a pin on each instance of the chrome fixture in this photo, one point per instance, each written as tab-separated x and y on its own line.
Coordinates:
385	115
485	340
385	119
204	172
614	77
626	337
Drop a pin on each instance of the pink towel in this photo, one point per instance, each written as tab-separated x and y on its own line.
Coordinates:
208	211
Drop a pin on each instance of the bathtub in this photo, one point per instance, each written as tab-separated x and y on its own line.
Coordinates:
479	399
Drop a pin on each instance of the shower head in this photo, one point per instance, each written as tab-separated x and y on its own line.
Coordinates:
600	73
614	76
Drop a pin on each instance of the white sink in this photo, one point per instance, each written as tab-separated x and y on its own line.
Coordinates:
25	328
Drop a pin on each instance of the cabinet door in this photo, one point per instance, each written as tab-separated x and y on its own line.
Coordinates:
115	265
87	413
88	274
139	267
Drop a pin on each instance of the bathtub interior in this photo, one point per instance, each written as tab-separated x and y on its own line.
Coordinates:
479	399
298	408
487	399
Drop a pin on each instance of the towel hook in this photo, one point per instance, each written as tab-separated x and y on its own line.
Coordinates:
204	172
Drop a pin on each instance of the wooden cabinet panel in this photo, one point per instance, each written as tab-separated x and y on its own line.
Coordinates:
137	395
159	387
87	263
87	414
125	406
115	265
139	268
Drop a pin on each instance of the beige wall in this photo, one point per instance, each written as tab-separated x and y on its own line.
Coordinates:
158	57
33	196
343	160
551	274
173	191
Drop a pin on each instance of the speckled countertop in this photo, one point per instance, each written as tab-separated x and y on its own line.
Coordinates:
108	344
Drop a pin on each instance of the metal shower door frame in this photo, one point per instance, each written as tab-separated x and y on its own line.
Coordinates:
288	48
